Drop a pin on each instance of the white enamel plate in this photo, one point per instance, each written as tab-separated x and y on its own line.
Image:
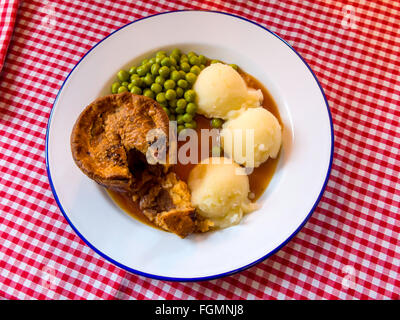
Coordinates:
286	205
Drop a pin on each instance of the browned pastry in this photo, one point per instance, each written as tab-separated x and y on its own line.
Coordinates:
109	145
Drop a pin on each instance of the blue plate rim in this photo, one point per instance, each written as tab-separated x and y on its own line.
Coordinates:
157	277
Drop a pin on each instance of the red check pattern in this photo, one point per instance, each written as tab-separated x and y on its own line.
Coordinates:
349	249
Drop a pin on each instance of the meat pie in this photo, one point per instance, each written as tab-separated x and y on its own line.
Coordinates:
109	143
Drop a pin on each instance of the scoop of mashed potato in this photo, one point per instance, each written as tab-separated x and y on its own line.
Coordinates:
220	90
220	189
237	133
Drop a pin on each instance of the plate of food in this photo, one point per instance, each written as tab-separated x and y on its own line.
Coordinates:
189	145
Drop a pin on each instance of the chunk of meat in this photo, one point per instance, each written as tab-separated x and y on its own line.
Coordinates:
168	206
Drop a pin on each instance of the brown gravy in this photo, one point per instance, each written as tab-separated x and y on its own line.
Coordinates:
125	202
259	178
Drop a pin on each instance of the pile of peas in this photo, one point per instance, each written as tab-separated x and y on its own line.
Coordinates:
168	79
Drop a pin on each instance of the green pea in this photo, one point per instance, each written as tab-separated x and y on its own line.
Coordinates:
130	86
170	94
176	51
191	108
180	128
174	58
184	58
154	69
144	61
148	80
191	53
191	77
156	88
114	87
181	103
125	83
175	75
152	61
182	74
134	76
122	89
179	92
147	67
203	59
234	66
164	71
215	61
169	84
161	97
216	123
172	103
202	66
194	60
187	117
132	70
136	90
137	82
190	95
180	110
185	66
160	80
159	58
166	62
183	83
123	75
191	125
195	69
141	71
148	93
179	119
161	53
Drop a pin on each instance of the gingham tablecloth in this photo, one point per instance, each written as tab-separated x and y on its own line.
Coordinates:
349	249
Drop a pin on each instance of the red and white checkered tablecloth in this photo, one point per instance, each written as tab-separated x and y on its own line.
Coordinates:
349	249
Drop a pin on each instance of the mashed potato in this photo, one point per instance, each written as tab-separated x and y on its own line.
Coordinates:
220	191
220	90
239	145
